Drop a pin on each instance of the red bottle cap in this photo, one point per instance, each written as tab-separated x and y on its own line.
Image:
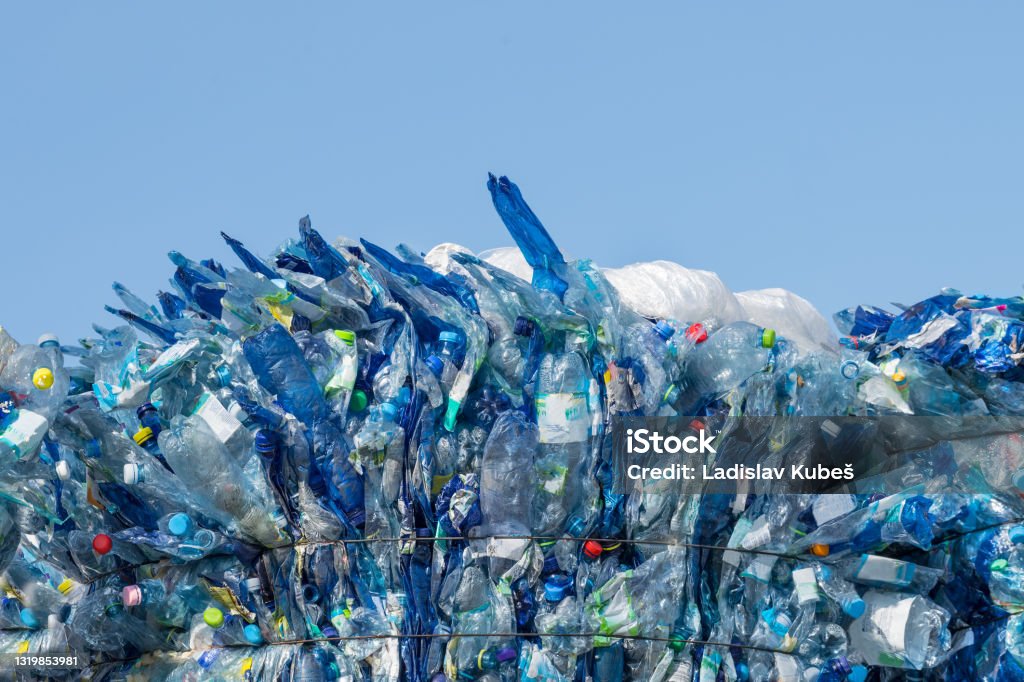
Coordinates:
697	333
102	543
592	549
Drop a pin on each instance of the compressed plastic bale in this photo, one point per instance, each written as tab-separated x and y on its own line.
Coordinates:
792	316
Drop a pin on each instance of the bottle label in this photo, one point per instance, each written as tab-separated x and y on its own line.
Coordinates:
806	585
760	569
221	422
828	507
25	432
562	418
878	570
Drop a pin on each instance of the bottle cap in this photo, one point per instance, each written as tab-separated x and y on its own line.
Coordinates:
42	378
664	329
854	607
818	549
389	411
224	376
142	435
252	585
252	633
899	377
999	565
555	588
265	441
48	339
143	409
102	543
63	470
448	337
849	369
575	526
434	364
213	617
132	473
345	335
357	403
697	333
65	585
840	665
858	674
131	595
767	338
506	653
677	641
1017	534
523	326
179	524
592	549
28	619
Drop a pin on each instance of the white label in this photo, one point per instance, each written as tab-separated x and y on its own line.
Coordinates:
828	507
758	535
562	418
171	357
881	570
739	530
806	585
760	568
221	422
889	614
786	669
25	433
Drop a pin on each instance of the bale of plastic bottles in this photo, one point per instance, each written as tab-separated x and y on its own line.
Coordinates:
343	463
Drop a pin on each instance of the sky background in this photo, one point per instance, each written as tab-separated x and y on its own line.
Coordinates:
867	152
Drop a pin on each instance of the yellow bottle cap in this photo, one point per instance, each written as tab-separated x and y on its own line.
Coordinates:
42	378
65	585
213	617
142	435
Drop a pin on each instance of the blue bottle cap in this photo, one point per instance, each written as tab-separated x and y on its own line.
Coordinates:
840	665
450	337
329	631
555	587
265	441
179	524
523	327
1017	534
858	674
224	376
854	607
143	409
389	411
575	526
550	564
742	672
29	619
252	634
664	329
434	364
48	340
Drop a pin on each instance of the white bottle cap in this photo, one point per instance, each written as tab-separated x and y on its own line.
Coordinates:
63	470
131	473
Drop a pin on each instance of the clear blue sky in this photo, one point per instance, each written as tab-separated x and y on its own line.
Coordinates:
852	153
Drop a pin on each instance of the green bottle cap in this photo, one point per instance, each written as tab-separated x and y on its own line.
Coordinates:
357	403
213	617
999	565
345	335
768	338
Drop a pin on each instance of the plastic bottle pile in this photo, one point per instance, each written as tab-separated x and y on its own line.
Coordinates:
340	463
